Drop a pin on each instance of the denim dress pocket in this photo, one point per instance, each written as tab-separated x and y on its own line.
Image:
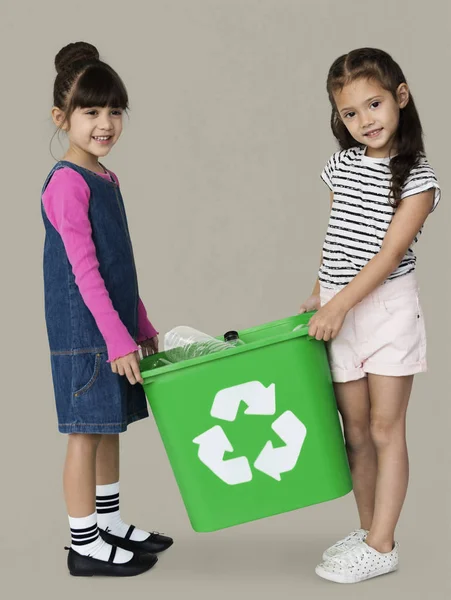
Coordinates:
85	372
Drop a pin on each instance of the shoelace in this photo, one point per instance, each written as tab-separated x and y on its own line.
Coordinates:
352	557
349	540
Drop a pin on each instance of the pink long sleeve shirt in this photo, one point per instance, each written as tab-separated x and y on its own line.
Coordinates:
66	203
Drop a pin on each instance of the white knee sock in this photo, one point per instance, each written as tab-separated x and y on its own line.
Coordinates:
87	541
109	516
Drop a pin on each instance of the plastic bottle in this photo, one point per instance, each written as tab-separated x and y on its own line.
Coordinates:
184	343
233	338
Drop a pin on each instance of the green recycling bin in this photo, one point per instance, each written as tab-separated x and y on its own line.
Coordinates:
252	431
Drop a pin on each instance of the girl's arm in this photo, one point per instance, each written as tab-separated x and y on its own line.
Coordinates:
66	203
406	223
146	330
316	289
313	303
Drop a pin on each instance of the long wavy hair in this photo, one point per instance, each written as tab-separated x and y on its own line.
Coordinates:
374	64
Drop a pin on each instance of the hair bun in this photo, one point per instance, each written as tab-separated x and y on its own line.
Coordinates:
77	51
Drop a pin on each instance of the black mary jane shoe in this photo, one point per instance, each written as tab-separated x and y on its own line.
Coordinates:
87	566
156	542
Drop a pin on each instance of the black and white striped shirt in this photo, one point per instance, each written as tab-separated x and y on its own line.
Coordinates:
361	213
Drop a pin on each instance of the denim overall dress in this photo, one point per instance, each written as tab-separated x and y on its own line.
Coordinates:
90	398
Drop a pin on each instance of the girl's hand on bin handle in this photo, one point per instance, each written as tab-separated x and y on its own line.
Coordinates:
327	322
129	366
149	346
312	303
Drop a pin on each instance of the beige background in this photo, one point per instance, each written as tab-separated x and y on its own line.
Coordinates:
219	165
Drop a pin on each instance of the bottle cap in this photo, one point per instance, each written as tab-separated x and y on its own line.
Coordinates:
231	335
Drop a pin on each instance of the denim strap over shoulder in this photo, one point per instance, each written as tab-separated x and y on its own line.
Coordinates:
70	324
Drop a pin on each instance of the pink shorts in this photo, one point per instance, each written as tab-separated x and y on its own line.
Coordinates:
384	334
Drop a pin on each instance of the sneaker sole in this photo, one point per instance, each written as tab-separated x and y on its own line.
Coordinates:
336	578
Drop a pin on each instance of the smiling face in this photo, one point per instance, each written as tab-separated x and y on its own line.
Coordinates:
92	132
371	114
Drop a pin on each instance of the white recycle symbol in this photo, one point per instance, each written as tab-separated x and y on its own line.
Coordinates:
260	400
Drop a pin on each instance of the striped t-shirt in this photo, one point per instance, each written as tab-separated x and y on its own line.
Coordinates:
361	213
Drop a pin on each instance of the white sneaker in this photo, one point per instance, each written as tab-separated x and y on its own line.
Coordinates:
355	537
358	564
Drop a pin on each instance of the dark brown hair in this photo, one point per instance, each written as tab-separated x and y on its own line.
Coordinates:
83	80
370	63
